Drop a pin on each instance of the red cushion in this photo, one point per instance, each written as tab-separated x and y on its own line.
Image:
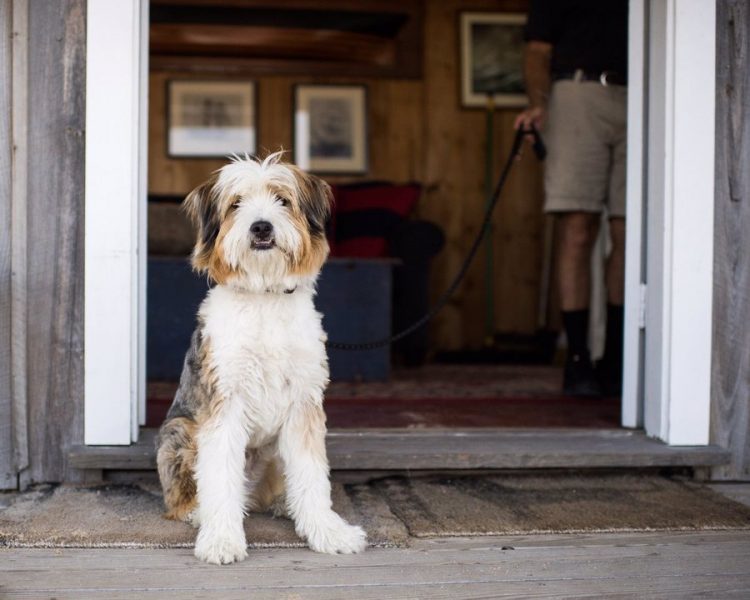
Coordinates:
362	247
398	198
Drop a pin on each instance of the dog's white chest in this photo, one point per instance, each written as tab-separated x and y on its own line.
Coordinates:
267	351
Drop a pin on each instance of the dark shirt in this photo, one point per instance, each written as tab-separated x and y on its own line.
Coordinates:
585	34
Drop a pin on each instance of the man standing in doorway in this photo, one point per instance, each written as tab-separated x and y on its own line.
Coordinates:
575	68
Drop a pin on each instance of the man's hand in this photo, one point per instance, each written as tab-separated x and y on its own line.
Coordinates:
536	73
534	115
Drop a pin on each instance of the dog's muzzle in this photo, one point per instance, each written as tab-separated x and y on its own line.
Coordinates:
262	233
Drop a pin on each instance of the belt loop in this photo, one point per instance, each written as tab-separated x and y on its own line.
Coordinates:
578	75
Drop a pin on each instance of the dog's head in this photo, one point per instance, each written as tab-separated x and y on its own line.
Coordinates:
261	224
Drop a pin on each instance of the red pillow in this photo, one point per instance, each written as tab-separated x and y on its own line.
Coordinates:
365	217
400	199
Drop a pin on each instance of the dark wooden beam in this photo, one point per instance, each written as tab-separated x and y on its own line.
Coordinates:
291	50
271	42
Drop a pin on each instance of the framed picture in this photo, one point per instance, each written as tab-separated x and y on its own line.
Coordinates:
492	59
208	119
330	128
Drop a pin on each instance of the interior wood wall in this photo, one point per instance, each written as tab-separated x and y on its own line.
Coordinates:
730	390
418	132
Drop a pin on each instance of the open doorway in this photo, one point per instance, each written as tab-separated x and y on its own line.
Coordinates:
405	214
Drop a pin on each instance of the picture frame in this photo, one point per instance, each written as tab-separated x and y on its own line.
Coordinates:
491	47
211	118
330	128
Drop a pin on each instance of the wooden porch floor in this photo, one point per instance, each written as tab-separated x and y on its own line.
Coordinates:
714	564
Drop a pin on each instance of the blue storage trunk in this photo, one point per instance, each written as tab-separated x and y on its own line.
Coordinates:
173	296
354	296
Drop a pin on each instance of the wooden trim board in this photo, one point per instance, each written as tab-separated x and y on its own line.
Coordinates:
457	449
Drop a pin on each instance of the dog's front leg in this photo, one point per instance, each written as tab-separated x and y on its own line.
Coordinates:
308	489
220	475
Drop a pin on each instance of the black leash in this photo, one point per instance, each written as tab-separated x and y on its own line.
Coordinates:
541	152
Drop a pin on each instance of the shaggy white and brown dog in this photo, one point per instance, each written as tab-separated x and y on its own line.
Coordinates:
247	429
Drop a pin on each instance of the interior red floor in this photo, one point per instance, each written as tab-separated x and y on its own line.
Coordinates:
448	396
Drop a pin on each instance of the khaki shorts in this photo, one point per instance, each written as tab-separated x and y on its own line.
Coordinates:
585	137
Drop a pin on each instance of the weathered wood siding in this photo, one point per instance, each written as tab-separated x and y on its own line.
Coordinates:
55	205
418	131
730	414
7	470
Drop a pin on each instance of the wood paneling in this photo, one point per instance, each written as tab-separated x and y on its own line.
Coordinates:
419	132
56	117
730	397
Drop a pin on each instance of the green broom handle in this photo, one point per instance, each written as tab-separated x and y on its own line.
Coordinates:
489	269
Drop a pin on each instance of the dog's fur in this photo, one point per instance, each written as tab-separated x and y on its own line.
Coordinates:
247	429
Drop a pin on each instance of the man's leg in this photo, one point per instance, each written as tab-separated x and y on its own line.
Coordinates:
576	235
611	363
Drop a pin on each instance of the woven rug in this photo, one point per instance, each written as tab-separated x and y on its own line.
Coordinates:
392	509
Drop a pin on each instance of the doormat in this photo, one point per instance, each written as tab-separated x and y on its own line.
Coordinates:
392	509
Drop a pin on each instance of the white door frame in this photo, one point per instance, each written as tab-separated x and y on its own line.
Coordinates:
669	202
115	221
668	320
633	347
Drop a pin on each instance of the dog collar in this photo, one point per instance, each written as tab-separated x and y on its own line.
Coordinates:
287	291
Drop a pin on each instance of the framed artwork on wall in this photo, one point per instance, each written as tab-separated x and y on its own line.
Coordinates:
330	128
492	59
208	119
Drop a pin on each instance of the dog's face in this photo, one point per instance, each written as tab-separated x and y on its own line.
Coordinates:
261	224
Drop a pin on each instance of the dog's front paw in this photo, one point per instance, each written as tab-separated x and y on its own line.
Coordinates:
220	549
335	536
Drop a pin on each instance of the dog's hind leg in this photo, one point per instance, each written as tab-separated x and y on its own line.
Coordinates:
175	461
266	483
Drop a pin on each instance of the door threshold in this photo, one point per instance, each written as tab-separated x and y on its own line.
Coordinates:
436	449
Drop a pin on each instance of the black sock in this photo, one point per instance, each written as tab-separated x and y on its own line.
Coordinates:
613	341
576	323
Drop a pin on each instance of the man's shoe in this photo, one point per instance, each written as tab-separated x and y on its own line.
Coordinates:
610	378
579	378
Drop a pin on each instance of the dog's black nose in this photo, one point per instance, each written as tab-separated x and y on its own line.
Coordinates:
261	229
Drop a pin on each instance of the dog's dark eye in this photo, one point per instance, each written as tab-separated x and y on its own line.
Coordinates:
283	201
237	203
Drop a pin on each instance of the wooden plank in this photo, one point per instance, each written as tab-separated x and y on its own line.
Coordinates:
19	218
456	449
271	42
730	377
622	565
7	471
55	234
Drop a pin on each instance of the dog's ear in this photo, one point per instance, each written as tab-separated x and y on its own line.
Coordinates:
316	201
202	207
